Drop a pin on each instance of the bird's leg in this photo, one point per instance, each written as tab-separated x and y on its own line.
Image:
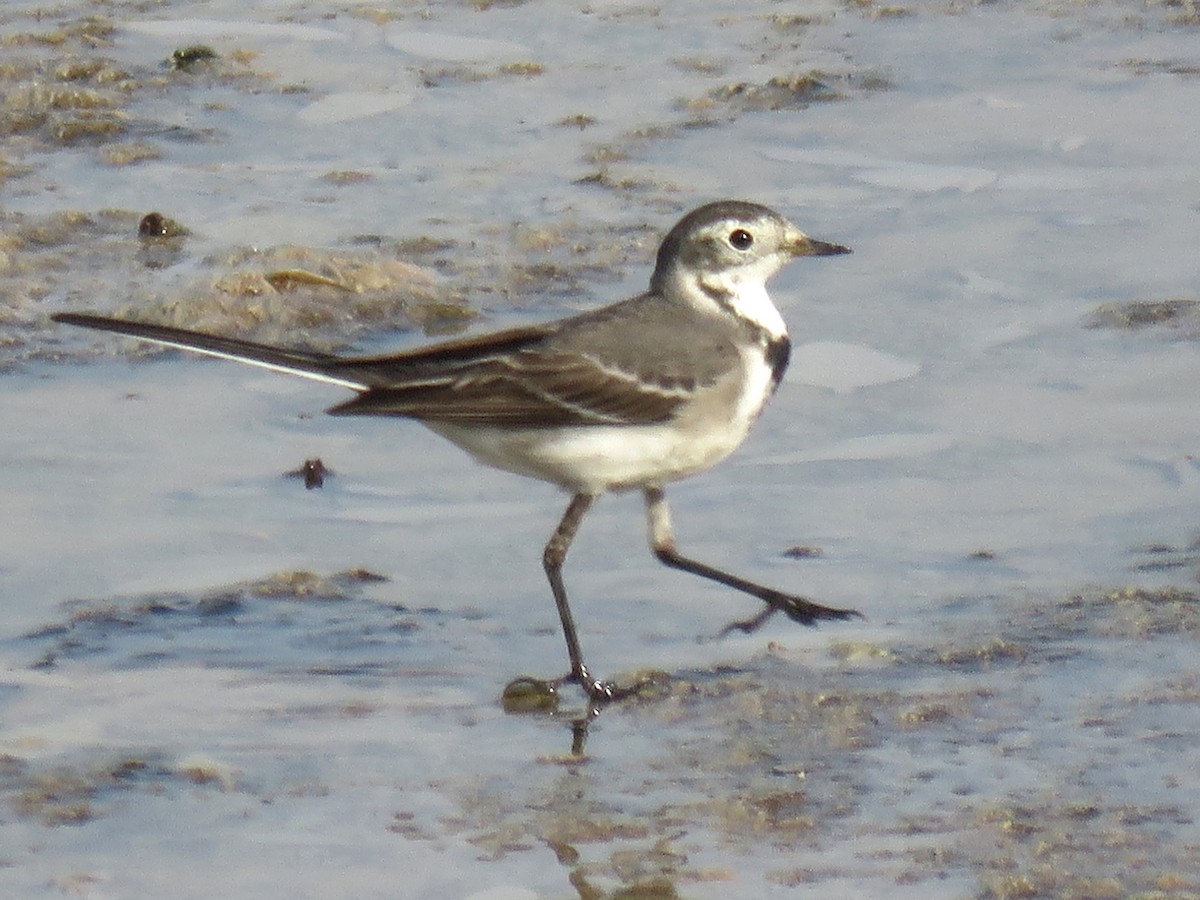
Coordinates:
798	609
552	561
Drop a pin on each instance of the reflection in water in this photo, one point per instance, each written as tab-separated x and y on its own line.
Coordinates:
534	696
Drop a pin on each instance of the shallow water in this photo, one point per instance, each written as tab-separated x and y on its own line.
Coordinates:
1007	491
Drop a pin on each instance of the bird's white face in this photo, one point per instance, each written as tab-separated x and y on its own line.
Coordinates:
720	257
728	262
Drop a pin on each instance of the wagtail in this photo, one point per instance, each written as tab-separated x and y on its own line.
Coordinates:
630	396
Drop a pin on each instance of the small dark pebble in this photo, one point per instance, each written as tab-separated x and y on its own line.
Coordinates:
314	472
156	225
186	57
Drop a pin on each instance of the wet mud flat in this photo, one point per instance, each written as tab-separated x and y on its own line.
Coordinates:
959	765
217	680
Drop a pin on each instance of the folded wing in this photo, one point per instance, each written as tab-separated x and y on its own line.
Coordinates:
528	388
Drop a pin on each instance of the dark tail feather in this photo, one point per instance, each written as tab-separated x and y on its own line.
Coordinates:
320	366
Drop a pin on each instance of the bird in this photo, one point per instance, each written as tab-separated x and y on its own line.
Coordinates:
630	396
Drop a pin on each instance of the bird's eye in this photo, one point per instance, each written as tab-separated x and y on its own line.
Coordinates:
740	239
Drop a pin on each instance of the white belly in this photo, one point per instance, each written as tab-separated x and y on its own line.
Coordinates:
594	459
597	458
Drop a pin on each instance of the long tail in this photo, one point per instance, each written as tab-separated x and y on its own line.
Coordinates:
317	366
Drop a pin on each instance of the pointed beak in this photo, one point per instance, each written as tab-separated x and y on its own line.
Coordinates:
800	244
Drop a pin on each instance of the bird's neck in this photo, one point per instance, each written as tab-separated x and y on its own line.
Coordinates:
745	299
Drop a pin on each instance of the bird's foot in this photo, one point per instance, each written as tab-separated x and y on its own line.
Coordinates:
538	695
598	692
798	609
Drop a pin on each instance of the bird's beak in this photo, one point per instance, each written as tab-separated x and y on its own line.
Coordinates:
800	244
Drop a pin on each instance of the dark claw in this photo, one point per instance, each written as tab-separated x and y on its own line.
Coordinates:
805	612
598	692
808	613
601	691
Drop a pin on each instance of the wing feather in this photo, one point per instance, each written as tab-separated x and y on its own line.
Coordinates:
532	388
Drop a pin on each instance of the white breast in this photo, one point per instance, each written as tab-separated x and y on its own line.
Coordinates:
758	386
751	301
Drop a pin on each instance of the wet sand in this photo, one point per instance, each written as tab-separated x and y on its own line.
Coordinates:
216	681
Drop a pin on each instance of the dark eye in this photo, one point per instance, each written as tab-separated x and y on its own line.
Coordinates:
740	239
